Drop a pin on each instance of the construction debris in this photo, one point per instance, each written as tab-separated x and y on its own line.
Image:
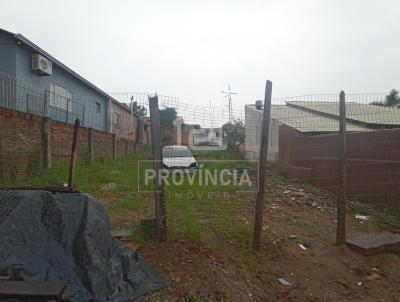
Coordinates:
362	217
284	282
302	247
374	276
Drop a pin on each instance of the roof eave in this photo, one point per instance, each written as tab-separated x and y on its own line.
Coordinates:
35	47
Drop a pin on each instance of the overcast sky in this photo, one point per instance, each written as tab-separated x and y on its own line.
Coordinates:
193	49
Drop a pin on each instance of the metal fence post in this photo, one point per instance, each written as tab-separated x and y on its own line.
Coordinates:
161	216
259	209
341	201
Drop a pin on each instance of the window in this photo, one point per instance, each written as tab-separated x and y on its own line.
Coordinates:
117	123
98	107
60	97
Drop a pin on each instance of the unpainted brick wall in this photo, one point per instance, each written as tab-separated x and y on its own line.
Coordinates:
61	141
372	166
23	148
21	145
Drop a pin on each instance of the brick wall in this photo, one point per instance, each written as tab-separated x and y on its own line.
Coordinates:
373	162
61	140
23	145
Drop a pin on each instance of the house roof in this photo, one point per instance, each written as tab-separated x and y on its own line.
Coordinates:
22	39
369	115
308	122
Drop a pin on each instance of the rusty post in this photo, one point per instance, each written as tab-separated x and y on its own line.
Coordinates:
262	166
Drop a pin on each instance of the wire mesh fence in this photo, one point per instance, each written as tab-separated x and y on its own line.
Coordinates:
210	163
306	145
51	100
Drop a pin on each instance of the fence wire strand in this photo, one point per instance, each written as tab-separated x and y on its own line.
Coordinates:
303	177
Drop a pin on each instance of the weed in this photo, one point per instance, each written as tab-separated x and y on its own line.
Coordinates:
302	222
128	203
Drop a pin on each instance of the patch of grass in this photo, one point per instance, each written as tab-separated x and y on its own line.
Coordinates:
379	219
302	222
386	215
229	154
138	237
188	205
192	296
90	178
128	203
182	218
276	172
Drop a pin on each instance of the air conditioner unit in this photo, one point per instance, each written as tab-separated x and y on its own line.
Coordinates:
41	65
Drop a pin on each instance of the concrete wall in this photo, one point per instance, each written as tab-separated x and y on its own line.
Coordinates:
253	125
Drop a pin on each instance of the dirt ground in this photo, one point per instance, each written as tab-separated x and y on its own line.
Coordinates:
218	269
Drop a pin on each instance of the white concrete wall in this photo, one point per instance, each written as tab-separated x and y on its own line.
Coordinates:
253	125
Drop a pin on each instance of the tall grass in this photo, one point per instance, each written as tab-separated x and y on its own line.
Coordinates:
192	209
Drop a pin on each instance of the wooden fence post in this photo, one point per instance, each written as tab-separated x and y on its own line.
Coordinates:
114	146
161	216
90	145
71	176
47	142
262	165
341	200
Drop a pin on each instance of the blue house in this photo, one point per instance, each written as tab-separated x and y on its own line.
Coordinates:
31	80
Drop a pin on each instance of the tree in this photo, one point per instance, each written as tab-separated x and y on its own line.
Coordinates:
167	116
392	100
234	133
137	109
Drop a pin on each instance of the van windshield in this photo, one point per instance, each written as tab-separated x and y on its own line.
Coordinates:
176	152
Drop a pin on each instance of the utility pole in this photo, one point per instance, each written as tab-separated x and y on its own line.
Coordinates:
228	94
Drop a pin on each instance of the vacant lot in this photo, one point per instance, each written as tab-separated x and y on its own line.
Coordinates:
208	255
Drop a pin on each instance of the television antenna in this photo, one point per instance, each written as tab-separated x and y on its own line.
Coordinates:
228	94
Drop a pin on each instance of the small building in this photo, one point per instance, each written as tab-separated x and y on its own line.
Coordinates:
33	81
122	121
208	137
312	119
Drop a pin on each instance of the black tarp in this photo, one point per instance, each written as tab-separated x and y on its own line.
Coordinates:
48	236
